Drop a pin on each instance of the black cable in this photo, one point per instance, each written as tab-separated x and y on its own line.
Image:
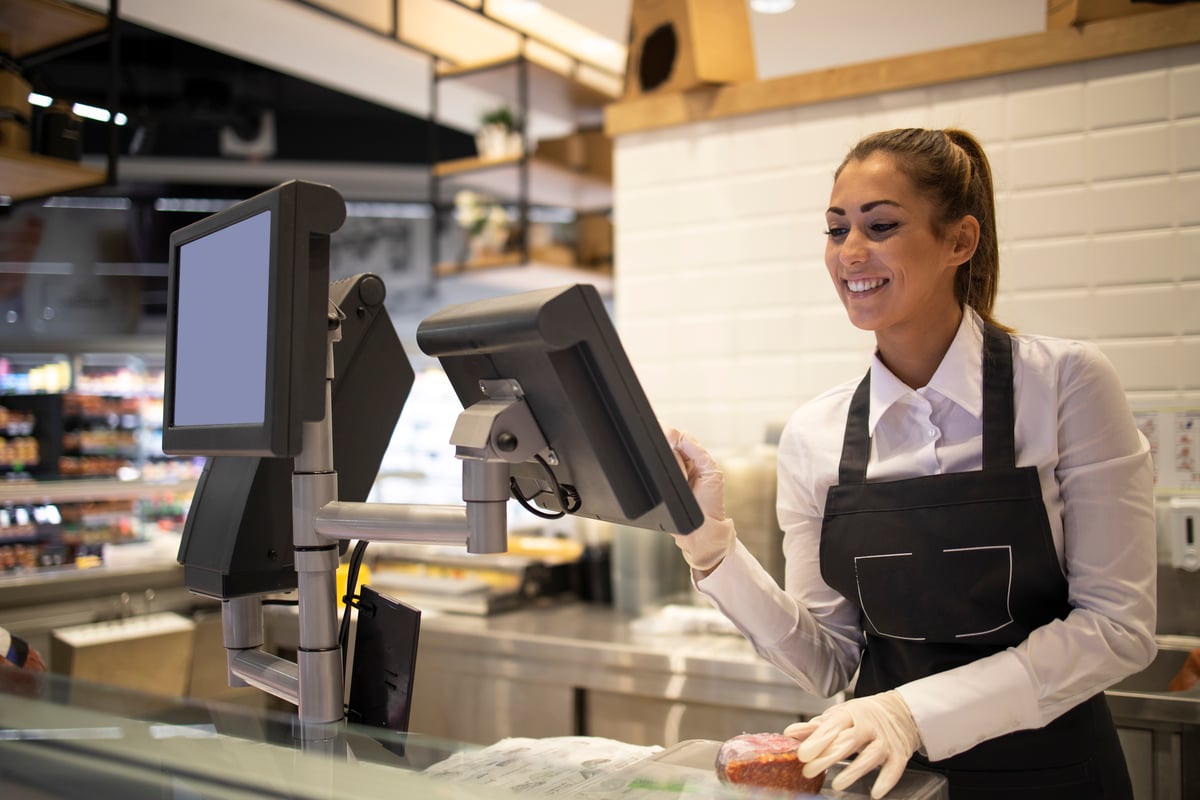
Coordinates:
568	497
280	602
356	558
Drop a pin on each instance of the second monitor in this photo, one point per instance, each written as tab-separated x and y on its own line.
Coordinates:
607	456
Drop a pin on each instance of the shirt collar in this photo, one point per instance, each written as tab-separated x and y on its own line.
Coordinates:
959	377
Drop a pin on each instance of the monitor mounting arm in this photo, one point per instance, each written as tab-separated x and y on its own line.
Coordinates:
488	436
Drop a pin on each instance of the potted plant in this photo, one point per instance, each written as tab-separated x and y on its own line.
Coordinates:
499	134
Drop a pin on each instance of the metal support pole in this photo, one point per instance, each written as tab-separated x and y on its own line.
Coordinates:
319	658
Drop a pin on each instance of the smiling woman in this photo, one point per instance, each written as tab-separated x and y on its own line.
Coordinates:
984	606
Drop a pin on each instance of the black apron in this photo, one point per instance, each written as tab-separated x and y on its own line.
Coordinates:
947	569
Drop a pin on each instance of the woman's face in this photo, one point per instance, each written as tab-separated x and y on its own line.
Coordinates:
892	271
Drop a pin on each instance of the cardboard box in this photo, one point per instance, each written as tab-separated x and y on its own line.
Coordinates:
151	653
14	94
587	151
675	45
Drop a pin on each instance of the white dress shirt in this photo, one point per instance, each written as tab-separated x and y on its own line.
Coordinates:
1074	424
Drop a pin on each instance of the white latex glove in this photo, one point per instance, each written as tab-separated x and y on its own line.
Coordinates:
707	546
879	727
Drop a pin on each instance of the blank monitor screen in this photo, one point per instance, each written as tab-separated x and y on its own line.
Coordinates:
215	356
247	324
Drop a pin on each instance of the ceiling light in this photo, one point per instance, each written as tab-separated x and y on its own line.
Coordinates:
772	6
98	114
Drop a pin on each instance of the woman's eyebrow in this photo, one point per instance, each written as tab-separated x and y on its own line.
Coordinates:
864	208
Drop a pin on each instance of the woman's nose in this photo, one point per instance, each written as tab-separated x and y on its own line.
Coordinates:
853	249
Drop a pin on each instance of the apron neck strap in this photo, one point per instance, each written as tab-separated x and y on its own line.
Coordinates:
999	450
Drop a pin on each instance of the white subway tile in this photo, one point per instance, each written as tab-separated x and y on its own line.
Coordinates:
827	328
1189	303
1185	144
716	243
765	193
649	207
1126	90
1069	314
1189	366
1045	111
1185	91
1054	161
811	186
814	286
1151	364
647	251
1045	264
706	200
1128	312
825	133
1187	198
976	106
764	284
820	371
1129	152
766	330
1045	213
1188	259
902	109
1130	258
771	239
1127	205
708	149
999	157
763	142
640	161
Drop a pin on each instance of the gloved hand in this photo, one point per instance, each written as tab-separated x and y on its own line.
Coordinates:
707	546
879	727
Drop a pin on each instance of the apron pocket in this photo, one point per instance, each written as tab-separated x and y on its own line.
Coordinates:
953	595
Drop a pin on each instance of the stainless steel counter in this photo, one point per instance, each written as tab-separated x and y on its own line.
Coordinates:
595	647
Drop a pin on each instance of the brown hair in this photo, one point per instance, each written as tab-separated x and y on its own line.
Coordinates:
950	168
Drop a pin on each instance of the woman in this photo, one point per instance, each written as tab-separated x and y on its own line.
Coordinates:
970	526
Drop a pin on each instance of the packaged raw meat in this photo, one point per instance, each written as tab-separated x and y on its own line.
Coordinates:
765	759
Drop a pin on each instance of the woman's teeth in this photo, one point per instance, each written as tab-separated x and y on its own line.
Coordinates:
862	286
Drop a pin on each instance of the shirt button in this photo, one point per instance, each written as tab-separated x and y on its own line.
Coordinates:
932	433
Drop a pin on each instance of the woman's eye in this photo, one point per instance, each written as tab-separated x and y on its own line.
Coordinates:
882	227
836	232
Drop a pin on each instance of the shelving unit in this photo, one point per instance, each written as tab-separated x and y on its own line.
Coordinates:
539	176
34	29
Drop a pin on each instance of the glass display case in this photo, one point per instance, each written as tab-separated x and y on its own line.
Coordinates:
81	462
66	739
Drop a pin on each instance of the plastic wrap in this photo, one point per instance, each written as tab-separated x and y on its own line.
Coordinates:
765	759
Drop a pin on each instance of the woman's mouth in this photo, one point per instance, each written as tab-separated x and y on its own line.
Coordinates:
860	286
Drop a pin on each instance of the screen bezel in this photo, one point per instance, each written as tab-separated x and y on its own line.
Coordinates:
302	217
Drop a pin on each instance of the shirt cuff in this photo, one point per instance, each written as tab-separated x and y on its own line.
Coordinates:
958	709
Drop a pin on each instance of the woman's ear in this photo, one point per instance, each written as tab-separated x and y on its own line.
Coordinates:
964	238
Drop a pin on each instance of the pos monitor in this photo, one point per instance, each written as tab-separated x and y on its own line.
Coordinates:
246	333
606	457
237	539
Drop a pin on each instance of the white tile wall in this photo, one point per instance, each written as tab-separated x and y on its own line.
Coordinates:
721	294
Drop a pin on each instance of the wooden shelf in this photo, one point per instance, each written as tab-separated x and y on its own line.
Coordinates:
36	25
1158	28
25	175
550	184
552	92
